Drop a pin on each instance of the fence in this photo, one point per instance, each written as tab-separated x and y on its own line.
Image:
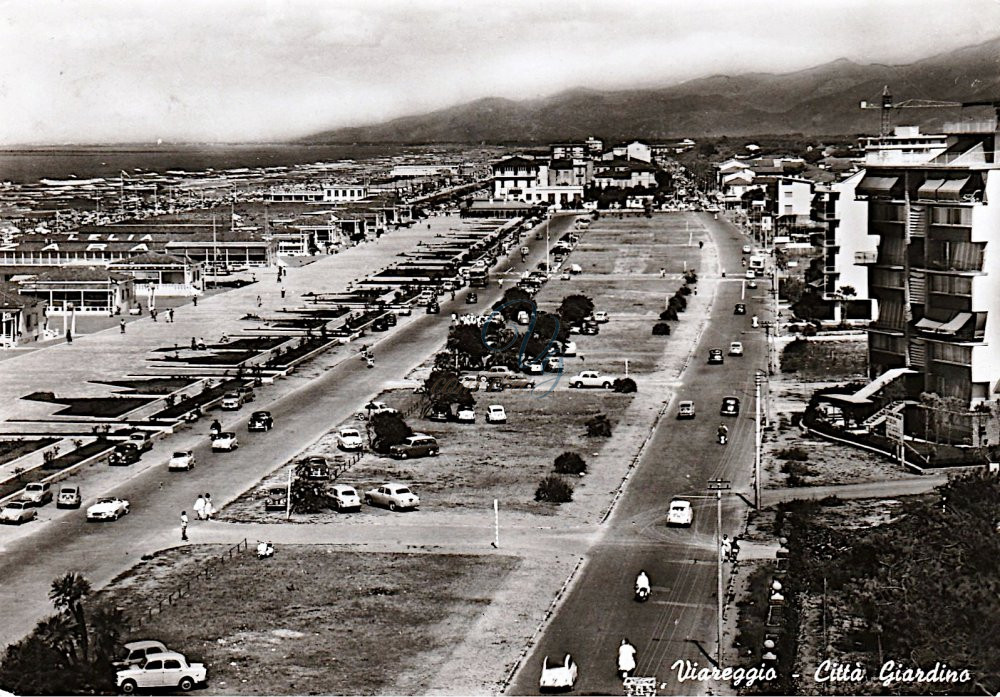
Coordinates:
184	589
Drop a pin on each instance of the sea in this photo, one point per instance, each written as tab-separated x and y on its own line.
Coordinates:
30	164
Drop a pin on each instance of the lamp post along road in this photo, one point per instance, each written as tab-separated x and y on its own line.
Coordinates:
758	440
718	486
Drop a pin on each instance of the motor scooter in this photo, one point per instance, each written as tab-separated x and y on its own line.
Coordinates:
215	430
754	322
641	594
723	438
370	362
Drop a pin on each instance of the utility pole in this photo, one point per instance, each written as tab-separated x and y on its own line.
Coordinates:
758	440
548	269
215	250
288	494
718	486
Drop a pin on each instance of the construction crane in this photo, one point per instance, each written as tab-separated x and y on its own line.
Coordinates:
887	105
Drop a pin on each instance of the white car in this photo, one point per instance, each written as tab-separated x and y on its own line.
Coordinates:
466	415
495	414
136	652
350	439
225	441
17	512
735	348
108	508
565	276
378	408
168	669
569	349
680	513
181	460
601	317
750	274
533	367
591	378
752	283
345	498
392	495
471	382
561	676
747	249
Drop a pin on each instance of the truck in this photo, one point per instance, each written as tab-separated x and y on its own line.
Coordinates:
756	264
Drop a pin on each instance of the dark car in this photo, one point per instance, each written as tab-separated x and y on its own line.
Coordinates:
260	421
715	356
440	412
276	499
433	309
730	407
740	309
590	327
417	445
124	454
471	299
390	319
380	325
316	468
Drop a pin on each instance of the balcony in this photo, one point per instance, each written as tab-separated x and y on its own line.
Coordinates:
830	271
831	244
862	258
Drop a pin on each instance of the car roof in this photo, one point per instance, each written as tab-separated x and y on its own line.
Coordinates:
680	502
144	644
167	655
687	401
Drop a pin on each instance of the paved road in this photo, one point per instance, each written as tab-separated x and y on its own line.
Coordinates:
33	556
679	620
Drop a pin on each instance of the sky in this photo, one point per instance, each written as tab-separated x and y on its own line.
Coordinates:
99	71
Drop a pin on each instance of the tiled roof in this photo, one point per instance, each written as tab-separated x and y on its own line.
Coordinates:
10	299
81	273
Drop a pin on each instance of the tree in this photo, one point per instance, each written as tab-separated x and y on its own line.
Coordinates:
67	594
388	429
443	387
514	300
792	289
574	308
308	495
599	427
661	329
467	340
626	385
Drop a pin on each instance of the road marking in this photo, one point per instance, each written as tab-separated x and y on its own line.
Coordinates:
677	603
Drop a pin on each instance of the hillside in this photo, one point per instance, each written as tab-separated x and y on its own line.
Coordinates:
818	100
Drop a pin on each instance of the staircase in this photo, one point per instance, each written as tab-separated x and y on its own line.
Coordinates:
878	417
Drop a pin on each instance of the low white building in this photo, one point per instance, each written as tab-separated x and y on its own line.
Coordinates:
344	192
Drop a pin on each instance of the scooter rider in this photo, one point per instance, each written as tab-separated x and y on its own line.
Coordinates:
723	433
626	659
216	426
642	581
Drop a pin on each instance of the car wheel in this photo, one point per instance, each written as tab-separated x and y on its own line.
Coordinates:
434	452
403	456
128	687
392	505
368	501
185	684
574	384
607	385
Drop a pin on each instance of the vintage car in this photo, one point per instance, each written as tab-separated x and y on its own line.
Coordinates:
260	421
136	652
591	378
349	439
168	669
558	676
181	460
680	513
17	512
685	410
69	496
224	442
495	414
393	496
730	406
108	508
345	497
715	356
466	415
37	493
417	445
276	498
125	454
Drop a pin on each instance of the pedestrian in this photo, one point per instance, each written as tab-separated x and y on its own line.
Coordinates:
701	244
199	508
170	315
581	357
152	313
184	526
194	299
727	548
259	302
69	336
209	508
121	324
282	291
663	273
194	344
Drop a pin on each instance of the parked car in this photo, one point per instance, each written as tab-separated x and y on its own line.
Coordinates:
740	309
433	308
553	364
380	325
680	513
565	276
417	445
469	381
750	274
471	298
260	421
276	498
246	391
516	382
393	496
735	348
345	498
601	317
378	408
495	414
37	493
466	415
715	356
181	460
533	367
168	669
17	512
558	677
316	468
124	454
730	406
136	653
440	412
523	318
590	328
232	401
498	371
569	349
390	319
350	439
69	496
141	440
405	311
591	378
108	508
225	441
685	409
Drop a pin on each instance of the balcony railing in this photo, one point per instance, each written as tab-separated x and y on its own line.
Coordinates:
865	257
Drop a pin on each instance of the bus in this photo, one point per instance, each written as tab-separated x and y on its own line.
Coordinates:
479	278
756	265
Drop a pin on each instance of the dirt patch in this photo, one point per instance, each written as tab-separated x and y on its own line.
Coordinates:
841	359
13	449
316	619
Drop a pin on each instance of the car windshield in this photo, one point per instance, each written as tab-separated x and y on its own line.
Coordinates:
180	454
348	492
105	500
33	487
350	433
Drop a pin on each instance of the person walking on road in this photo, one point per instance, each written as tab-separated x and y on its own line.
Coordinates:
170	315
121	324
663	273
194	298
152	313
184	526
199	508
282	291
194	344
259	301
209	508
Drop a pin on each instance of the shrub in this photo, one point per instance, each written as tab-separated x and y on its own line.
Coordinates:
685	290
797	454
554	489
809	330
570	463
661	329
625	386
599	427
690	276
797	469
308	496
388	429
669	315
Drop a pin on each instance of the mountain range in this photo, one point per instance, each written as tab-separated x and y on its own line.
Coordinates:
822	100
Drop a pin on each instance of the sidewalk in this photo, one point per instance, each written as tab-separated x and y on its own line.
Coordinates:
869	490
74	370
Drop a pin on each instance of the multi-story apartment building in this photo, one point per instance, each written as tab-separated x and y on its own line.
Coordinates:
906	146
521	178
936	274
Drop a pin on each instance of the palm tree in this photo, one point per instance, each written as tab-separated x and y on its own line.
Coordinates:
67	595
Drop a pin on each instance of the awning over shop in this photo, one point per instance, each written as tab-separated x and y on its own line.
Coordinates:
951	190
955	323
929	188
876	186
929	324
845	398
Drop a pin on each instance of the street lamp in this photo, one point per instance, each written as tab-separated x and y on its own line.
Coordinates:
718	486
